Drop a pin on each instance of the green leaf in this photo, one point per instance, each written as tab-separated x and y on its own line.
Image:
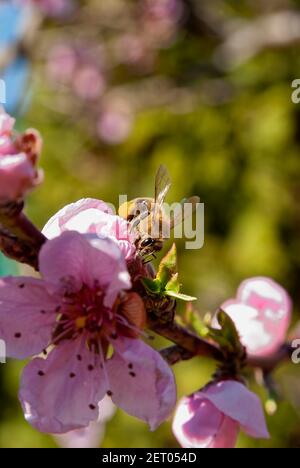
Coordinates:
228	327
168	267
152	286
227	336
194	320
182	297
174	284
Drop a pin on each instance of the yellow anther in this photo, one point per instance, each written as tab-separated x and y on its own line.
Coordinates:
80	322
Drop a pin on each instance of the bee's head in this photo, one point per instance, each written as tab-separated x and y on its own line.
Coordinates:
148	242
150	245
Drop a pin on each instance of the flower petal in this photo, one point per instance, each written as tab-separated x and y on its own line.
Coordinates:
91	436
262	314
196	422
61	393
72	259
251	329
88	437
199	424
141	382
17	176
236	401
93	217
27	316
79	216
227	434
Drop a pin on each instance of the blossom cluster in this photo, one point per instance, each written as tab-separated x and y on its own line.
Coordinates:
84	321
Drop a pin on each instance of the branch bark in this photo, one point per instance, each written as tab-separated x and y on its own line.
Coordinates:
188	344
19	238
177	353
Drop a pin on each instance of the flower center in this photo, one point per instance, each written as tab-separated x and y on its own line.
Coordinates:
84	312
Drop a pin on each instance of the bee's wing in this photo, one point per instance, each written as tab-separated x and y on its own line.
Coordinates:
179	216
162	185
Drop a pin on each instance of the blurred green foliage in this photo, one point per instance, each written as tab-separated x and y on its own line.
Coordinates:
239	153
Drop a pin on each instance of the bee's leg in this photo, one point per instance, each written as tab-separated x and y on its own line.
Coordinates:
145	262
149	258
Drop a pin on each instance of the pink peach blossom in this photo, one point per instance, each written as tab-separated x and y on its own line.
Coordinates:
80	309
213	417
18	173
262	313
92	216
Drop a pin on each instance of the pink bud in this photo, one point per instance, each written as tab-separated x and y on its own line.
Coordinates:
6	127
261	313
17	176
18	159
6	123
212	418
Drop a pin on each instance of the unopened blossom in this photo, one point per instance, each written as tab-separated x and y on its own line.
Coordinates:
79	311
261	312
92	216
213	417
18	159
91	436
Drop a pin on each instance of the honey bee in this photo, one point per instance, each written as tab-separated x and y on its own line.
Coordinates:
148	218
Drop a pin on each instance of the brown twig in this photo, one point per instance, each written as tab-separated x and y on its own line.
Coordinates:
177	353
188	344
19	238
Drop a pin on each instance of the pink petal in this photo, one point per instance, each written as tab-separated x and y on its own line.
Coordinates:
236	401
6	123
72	259
17	176
199	424
227	435
141	382
262	314
79	216
92	216
6	145
251	329
61	393
91	436
27	316
88	437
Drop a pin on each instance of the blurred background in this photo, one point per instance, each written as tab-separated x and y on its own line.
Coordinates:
118	87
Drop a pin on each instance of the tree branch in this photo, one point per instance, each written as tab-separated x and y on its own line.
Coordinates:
188	344
19	238
175	354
